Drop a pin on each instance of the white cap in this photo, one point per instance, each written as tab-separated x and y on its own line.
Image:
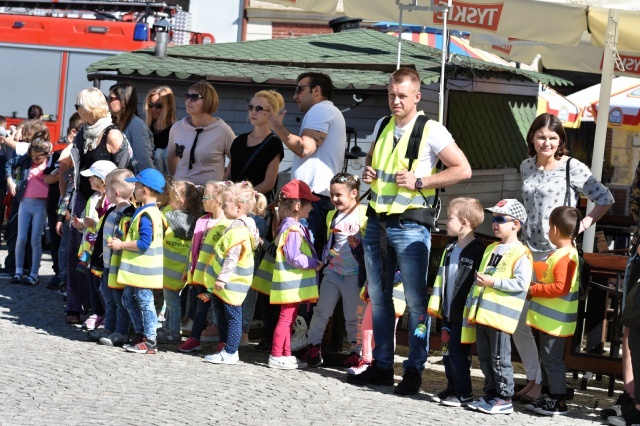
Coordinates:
100	168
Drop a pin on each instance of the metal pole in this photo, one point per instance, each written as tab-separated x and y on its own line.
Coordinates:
445	59
603	115
399	39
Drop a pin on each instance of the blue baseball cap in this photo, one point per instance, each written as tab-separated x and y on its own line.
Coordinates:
150	178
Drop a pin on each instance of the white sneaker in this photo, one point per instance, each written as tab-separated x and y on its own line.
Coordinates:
299	363
282	363
357	369
222	357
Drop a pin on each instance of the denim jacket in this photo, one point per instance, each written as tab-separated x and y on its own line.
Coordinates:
18	169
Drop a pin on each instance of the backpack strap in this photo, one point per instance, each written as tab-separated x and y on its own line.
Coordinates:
414	139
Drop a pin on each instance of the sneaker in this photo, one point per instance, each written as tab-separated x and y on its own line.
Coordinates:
312	356
209	334
360	368
439	397
16	279
92	322
410	384
138	338
300	364
553	407
481	401
457	401
244	341
96	335
114	339
263	346
222	357
220	347
54	283
190	345
31	281
282	363
496	406
629	417
624	401
373	375
542	400
169	337
352	360
144	347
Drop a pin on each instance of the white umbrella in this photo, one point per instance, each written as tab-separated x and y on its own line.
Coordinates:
613	25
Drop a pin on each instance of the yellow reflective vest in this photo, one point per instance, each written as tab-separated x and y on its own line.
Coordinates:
116	255
386	196
211	237
176	257
556	316
144	268
290	284
239	283
492	307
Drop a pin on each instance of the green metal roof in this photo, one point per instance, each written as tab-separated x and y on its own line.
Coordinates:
354	59
491	128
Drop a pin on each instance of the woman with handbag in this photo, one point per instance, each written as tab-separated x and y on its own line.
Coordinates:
256	157
550	178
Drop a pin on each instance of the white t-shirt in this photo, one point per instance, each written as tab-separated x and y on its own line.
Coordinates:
438	139
318	169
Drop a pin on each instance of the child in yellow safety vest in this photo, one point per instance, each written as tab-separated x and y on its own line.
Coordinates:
96	207
141	264
208	231
495	304
456	274
554	307
289	271
185	201
230	269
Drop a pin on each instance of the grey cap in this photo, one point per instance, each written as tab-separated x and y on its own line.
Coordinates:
511	207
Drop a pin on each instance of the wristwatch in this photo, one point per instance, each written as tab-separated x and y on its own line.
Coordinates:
418	183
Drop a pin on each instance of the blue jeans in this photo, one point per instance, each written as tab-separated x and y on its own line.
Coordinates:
457	364
110	307
494	355
139	304
229	324
123	320
32	212
407	248
173	311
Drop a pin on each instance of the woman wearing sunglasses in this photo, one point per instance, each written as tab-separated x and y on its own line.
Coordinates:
256	157
545	175
160	111
123	105
199	143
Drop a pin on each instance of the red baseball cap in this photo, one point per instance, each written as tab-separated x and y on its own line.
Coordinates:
299	190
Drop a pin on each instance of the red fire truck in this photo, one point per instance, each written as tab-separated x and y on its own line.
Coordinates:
46	47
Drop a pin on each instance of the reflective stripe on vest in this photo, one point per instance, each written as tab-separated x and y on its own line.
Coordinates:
264	275
144	268
556	316
176	256
386	195
435	301
289	284
240	278
205	254
492	307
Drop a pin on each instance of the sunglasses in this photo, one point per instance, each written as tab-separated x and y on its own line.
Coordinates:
193	97
501	219
157	105
77	106
112	98
258	108
299	88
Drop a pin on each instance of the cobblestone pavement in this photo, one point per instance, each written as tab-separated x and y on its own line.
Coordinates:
50	374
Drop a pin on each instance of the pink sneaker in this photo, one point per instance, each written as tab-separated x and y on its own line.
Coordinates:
352	360
92	322
191	345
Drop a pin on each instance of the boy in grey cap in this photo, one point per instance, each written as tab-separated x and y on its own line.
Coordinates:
495	303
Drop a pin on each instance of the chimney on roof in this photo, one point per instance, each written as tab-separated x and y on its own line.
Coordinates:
161	28
344	23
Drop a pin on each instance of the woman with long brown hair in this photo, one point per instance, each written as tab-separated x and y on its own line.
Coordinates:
160	113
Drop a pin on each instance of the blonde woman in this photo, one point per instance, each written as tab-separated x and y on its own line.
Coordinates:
160	112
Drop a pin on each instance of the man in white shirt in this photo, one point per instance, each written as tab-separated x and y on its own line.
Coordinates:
320	146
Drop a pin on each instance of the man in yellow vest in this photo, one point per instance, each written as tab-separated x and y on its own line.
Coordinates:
401	213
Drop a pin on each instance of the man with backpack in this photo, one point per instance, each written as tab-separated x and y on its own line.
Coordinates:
400	168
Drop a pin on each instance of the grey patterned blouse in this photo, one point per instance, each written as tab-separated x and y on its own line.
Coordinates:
544	190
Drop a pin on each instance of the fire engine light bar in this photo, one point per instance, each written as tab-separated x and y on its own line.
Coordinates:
97	30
